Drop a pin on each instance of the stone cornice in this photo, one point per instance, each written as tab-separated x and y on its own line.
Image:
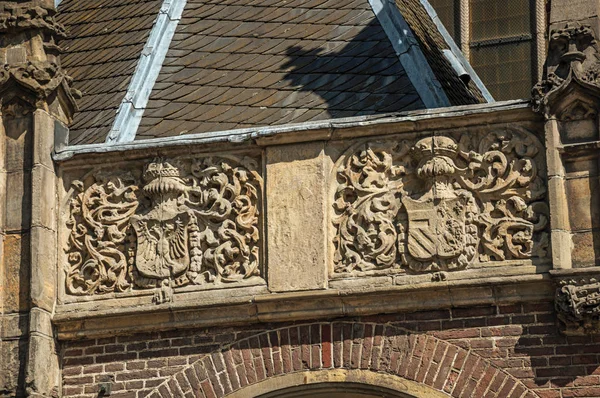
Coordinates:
255	305
344	128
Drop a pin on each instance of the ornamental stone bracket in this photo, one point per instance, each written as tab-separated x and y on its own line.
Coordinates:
440	203
171	224
577	301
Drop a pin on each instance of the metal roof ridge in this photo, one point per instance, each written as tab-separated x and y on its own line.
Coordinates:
410	54
456	51
134	103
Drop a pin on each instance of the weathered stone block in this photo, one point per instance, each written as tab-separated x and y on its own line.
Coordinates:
16	272
43	139
43	374
586	249
43	268
12	366
43	208
583	201
13	325
18	201
573	10
18	143
562	245
559	211
297	216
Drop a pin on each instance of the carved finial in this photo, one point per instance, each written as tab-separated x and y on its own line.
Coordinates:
573	61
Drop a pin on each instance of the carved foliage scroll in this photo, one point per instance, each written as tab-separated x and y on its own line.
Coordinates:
191	222
440	203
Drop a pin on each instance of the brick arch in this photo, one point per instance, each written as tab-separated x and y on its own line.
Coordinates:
380	348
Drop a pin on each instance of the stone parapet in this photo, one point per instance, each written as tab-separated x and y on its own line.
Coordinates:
370	216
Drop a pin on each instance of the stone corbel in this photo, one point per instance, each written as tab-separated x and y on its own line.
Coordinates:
577	301
35	82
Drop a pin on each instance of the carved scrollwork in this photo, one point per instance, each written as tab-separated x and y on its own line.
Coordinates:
440	203
577	305
190	222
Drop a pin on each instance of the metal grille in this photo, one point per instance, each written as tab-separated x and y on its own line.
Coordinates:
498	19
505	69
501	44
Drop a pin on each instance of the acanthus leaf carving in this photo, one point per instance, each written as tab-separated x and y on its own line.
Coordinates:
192	222
440	204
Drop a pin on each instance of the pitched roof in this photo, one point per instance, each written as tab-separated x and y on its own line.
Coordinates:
105	40
245	63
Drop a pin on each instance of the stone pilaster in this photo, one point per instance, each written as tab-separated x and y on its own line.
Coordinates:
568	96
34	96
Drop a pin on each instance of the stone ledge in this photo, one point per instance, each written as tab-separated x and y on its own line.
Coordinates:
92	322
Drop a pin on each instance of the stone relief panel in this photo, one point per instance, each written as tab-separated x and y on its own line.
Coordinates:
440	203
177	222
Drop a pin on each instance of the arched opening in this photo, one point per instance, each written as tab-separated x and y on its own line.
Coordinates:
336	390
337	383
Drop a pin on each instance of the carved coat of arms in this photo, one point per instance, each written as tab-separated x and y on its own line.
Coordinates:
437	223
162	232
440	204
182	222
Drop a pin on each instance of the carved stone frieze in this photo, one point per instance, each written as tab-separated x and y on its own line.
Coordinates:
441	203
577	305
181	222
573	62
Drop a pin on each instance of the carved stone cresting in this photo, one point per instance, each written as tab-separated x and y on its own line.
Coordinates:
441	203
182	222
573	64
16	17
577	305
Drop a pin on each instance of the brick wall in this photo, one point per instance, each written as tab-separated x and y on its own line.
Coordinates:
464	352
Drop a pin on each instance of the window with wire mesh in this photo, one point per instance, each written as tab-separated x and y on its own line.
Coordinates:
501	42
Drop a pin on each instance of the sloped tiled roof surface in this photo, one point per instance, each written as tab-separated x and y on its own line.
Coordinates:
244	63
432	43
105	40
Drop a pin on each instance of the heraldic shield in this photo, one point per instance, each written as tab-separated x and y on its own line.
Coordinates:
435	229
162	251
